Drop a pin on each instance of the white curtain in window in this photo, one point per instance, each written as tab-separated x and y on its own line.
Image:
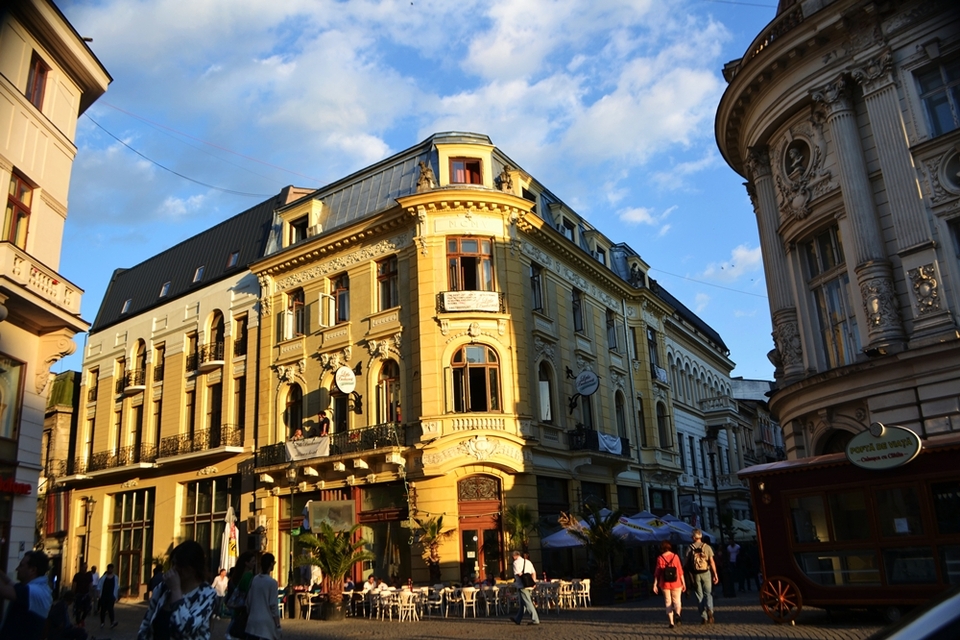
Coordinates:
545	400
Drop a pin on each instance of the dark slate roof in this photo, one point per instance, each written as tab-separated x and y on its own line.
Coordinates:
245	232
688	315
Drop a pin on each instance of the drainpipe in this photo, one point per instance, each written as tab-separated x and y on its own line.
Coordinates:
633	395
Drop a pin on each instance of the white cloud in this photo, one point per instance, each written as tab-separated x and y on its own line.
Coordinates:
676	177
701	300
743	260
173	207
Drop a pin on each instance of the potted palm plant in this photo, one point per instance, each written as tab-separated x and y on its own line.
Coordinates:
604	546
335	552
430	533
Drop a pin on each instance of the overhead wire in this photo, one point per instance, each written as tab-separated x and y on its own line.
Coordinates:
709	284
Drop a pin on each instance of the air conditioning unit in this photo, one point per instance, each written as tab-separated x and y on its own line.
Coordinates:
314	230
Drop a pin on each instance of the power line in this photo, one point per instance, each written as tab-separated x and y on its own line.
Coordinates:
180	175
742	4
709	284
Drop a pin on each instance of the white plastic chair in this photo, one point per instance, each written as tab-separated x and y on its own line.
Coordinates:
491	599
434	601
567	598
582	590
454	599
407	606
469	595
280	602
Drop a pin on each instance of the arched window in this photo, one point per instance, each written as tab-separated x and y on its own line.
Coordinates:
618	403
476	379
545	380
388	393
663	426
293	411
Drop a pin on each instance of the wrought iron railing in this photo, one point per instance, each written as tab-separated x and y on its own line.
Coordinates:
589	440
92	393
55	468
240	347
212	352
122	457
158	372
135	378
353	441
78	467
191	361
226	435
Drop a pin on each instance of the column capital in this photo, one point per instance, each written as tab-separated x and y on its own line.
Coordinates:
757	162
876	73
834	96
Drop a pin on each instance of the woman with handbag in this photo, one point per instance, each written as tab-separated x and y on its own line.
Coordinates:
241	576
668	578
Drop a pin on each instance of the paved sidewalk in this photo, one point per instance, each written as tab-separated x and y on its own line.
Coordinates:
736	618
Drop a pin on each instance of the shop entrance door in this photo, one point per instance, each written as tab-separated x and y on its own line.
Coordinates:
480	553
129	573
481	542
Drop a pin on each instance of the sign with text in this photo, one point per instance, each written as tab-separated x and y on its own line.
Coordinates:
587	383
346	379
882	447
471	301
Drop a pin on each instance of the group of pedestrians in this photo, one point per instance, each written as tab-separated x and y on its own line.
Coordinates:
670	577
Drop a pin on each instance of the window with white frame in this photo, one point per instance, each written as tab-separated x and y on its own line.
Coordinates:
940	94
577	309
470	264
536	286
388	283
476	379
612	331
545	383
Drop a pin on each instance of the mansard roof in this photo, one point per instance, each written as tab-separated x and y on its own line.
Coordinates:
245	233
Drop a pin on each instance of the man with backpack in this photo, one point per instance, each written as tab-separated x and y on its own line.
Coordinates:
703	569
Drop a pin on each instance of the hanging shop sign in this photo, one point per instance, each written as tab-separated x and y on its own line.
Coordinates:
882	447
587	383
346	379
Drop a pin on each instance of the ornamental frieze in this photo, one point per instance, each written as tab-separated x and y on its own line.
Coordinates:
340	263
479	447
879	303
798	167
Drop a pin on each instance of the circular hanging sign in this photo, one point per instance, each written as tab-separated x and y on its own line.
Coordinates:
587	383
882	447
346	380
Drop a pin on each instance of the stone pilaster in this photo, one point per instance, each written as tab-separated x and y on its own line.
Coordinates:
873	272
786	336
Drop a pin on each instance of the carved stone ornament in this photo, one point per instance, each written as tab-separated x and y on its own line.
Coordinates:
925	288
543	349
757	162
834	97
619	380
342	262
53	347
506	180
943	176
800	173
382	349
879	303
426	181
265	294
287	373
333	361
208	471
130	484
876	73
474	330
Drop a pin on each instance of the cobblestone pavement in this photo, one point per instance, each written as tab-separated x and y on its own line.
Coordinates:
736	618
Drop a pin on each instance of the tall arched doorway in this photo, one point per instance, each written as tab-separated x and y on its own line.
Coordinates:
481	542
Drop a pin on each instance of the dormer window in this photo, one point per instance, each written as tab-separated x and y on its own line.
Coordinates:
601	255
126	305
165	289
198	274
233	259
298	230
568	229
465	171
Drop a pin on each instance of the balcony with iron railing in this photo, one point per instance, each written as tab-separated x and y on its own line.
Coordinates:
134	381
354	441
92	393
719	404
55	468
123	457
240	348
158	372
211	356
191	361
592	440
215	439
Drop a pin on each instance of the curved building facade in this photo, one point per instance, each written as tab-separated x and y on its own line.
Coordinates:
843	118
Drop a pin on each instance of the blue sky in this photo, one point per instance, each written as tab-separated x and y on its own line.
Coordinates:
609	103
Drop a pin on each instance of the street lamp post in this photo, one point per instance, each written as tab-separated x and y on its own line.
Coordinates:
699	485
89	504
292	481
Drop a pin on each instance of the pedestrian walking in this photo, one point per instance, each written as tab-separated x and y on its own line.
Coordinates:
220	584
525	578
668	578
109	593
59	624
182	605
30	599
263	614
82	587
703	571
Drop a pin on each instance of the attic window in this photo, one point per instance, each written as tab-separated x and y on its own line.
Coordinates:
126	305
198	274
233	259
165	289
465	171
298	230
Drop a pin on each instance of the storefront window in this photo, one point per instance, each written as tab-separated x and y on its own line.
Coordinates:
910	566
946	504
204	515
854	568
131	536
849	514
11	383
809	519
898	511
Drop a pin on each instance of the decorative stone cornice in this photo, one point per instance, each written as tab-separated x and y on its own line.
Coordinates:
876	73
384	349
341	261
834	96
757	163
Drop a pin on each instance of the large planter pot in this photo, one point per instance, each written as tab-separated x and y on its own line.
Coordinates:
332	611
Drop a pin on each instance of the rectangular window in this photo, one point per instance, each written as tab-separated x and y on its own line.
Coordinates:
192	360
37	80
586	411
536	286
165	289
131	536
830	286
189	413
341	298
298	231
681	452
898	511
198	274
11	395
17	217
388	283
240	402
204	514
296	319
341	412
940	94
158	361
470	264
157	420
652	348
612	331
568	229
93	384
809	519
848	511
126	305
233	259
946	505
601	255
693	456
465	171
577	304
240	337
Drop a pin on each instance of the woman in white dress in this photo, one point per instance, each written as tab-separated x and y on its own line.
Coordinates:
263	619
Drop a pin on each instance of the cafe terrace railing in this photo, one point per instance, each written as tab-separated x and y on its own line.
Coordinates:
122	457
226	435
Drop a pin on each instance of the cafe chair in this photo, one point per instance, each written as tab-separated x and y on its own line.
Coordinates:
469	595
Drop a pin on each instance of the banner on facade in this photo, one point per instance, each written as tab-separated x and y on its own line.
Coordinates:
339	514
471	301
610	444
305	448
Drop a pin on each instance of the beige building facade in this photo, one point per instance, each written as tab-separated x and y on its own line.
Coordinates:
48	78
843	117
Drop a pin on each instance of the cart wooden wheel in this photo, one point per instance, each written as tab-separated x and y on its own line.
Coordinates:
781	599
